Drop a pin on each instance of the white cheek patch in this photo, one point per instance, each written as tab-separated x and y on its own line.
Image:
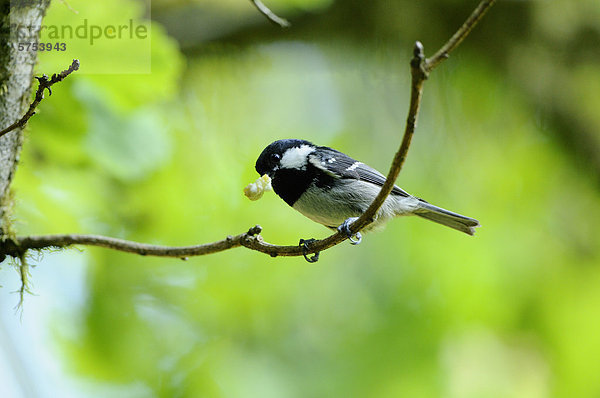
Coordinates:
296	158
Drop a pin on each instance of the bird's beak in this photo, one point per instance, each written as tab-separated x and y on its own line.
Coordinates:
271	173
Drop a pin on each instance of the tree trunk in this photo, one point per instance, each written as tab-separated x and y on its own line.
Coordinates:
16	74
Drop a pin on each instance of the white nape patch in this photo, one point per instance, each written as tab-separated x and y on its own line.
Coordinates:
296	158
354	166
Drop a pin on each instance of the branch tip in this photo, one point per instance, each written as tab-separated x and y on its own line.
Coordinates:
417	64
418	50
255	230
270	15
44	83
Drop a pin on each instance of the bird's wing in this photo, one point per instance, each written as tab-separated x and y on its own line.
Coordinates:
340	165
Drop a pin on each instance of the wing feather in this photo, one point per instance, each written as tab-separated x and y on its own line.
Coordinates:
340	165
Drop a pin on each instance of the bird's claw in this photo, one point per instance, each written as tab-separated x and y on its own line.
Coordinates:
344	228
304	244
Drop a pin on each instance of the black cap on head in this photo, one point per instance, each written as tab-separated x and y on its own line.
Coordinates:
268	161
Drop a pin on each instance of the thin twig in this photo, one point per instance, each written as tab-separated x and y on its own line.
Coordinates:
460	35
420	68
271	16
418	77
44	83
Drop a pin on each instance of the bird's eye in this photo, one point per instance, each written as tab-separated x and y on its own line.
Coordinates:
275	157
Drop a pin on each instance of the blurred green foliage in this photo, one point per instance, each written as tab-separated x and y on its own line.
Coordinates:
417	310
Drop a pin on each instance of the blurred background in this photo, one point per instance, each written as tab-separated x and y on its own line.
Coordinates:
509	133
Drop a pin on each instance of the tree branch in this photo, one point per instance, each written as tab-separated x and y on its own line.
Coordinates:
420	69
459	36
44	83
251	240
271	16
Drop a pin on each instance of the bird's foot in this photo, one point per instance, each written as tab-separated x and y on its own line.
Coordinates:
344	228
304	244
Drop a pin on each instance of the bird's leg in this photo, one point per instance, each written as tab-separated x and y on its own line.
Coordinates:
345	229
305	243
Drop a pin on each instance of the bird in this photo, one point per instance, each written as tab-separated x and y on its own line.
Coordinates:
333	189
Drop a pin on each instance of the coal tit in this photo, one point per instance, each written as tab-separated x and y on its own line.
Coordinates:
333	189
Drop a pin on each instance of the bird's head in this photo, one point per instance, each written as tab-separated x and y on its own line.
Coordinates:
284	154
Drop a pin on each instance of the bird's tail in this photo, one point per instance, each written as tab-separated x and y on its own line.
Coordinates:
447	218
